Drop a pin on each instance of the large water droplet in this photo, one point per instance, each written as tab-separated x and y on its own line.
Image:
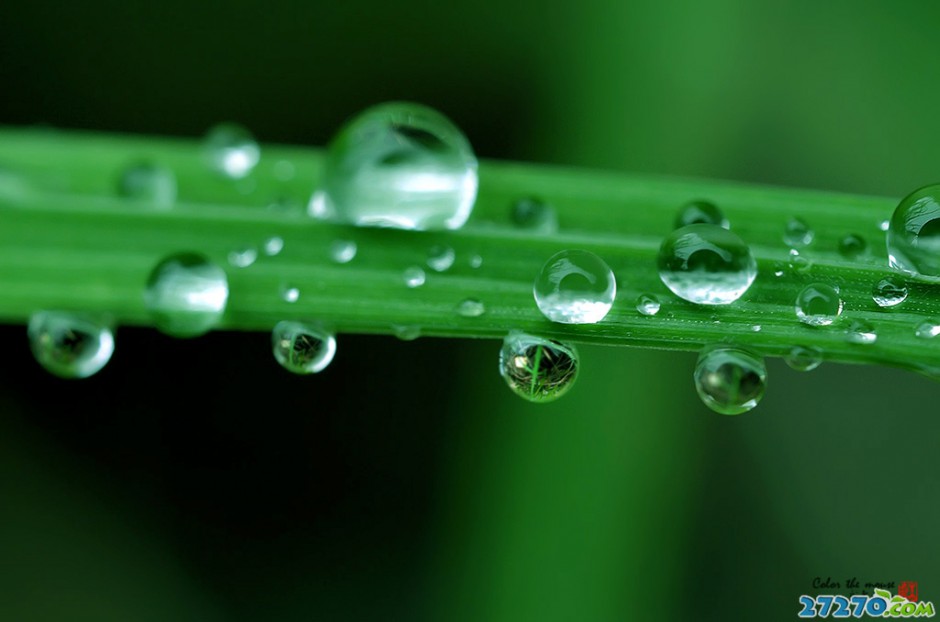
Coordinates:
913	238
700	213
302	348
889	292
797	233
70	345
730	380
575	287
818	304
537	369
706	264
804	358
148	183
414	276
852	246
343	251
534	215
399	165
647	304
231	150
927	329
471	307
186	295
441	258
862	332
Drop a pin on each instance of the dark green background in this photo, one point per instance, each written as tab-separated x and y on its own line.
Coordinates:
197	481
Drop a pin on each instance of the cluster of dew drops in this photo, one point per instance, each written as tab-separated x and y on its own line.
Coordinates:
406	166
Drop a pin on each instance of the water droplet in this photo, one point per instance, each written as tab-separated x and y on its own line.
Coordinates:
913	238
706	264
231	150
441	258
884	224
700	213
778	270
534	215
852	246
148	183
290	294
798	263
862	332
243	257
343	251
927	329
797	233
537	369
186	295
69	345
273	246
284	170
575	287
647	305
476	261
804	358
471	307
756	328
889	292
399	165
406	332
414	277
730	380
302	348
818	304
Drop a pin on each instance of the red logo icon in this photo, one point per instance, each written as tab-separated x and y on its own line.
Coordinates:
908	589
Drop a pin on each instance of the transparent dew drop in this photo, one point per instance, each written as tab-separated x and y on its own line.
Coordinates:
818	304
343	251
414	277
243	257
700	213
476	261
273	246
647	304
302	348
290	294
927	329
537	369
756	328
406	332
441	258
730	380
852	246
889	292
884	225
804	358
70	345
231	150
797	233
148	184
798	263
471	307
862	332
575	287
533	214
913	238
706	264
778	270
398	165
186	295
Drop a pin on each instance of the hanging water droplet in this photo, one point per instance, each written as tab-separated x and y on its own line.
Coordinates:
302	348
470	307
186	295
343	251
818	304
804	358
852	246
927	329
730	380
647	304
414	277
69	345
798	263
290	294
231	150
406	332
243	257
700	213
441	258
273	246
399	165
706	264
537	369
476	261
862	332
797	233
575	287
889	292
534	215
148	183
913	238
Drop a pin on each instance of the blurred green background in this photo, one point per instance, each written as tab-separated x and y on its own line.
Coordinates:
197	481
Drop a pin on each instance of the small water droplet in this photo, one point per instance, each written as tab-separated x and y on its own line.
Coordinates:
471	307
441	258
243	257
575	287
797	233
534	215
913	238
706	264
70	345
778	270
186	295
231	150
798	263
302	348
537	369
414	277
343	251
700	213
884	224
290	294
756	328
284	170
476	261
818	304
862	332
399	165
889	292
406	332
647	304
273	246
927	329
148	183
852	246
730	380
804	358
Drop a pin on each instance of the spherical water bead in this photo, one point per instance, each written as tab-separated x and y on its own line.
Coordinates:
575	287
290	294
537	369
231	150
913	238
862	332
797	233
148	183
730	380
399	165
818	304
441	258
301	348
889	292
186	295
471	307
414	277
798	263
273	246
476	261
534	215
69	345
804	358
343	251
406	332
927	329
647	305
243	257
706	264
852	246
700	213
